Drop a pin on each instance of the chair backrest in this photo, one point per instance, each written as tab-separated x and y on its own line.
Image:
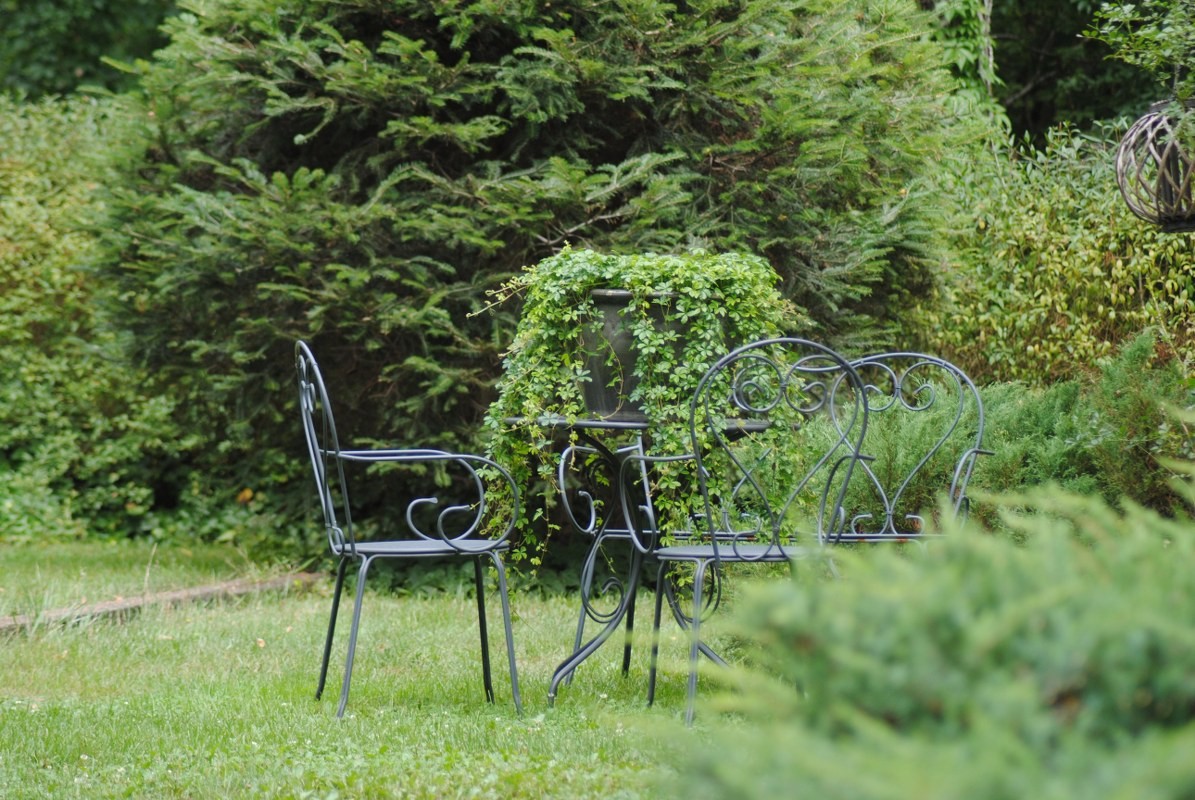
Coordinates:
462	514
925	430
323	448
776	427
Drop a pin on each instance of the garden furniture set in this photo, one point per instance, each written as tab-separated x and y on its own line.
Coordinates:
792	449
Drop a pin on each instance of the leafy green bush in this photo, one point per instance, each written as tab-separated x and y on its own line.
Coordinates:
1129	427
1111	433
975	667
89	443
30	510
360	174
1032	433
80	431
1055	272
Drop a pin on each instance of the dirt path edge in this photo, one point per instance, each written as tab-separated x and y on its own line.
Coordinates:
124	606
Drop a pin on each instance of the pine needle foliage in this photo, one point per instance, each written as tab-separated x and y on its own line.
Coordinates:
360	173
977	667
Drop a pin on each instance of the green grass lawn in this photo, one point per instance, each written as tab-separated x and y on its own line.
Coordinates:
49	574
216	699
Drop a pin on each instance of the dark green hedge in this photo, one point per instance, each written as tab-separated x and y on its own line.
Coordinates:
50	48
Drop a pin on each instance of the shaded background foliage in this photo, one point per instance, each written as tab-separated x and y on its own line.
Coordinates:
51	48
1051	73
89	443
1031	57
362	173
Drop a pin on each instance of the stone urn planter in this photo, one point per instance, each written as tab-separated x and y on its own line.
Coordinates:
611	356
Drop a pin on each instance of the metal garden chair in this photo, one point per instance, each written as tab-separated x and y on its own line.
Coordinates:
775	429
460	526
925	434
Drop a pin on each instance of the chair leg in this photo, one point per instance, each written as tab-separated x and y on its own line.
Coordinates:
630	632
479	583
348	662
655	635
695	640
510	638
323	671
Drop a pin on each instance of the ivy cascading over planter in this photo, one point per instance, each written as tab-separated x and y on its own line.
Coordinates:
668	318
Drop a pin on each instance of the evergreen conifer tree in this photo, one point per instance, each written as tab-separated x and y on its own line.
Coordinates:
361	172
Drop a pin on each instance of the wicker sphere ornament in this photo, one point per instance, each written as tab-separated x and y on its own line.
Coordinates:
1155	173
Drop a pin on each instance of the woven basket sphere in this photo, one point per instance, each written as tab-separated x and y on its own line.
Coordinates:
1155	174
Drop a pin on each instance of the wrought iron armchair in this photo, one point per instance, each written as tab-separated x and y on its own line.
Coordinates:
776	429
435	528
925	433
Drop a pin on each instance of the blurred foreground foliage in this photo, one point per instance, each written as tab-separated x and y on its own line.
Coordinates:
1054	663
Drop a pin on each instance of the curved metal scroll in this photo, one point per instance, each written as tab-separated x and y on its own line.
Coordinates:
925	432
777	428
588	476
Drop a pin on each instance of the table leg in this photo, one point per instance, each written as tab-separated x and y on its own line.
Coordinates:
625	609
625	606
588	610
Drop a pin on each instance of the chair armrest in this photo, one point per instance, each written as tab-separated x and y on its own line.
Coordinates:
466	526
396	455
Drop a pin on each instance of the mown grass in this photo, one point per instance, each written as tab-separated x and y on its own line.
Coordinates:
50	574
216	699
